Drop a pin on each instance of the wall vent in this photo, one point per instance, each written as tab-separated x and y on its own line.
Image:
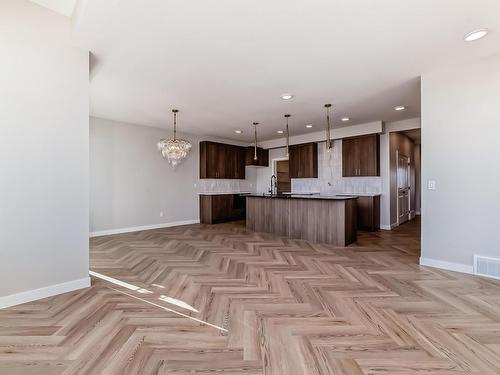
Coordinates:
489	267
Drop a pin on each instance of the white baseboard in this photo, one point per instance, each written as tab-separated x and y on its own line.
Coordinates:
388	227
449	266
417	213
143	227
48	291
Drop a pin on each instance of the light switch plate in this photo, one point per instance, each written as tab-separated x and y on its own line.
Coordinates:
431	185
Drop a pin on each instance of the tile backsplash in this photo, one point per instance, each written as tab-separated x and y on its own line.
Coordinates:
226	186
330	180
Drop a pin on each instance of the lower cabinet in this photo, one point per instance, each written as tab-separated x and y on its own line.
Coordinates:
369	213
219	208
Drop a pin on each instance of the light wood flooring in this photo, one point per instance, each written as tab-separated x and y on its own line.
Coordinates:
202	299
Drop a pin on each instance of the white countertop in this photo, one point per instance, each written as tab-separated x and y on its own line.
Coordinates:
339	194
362	194
224	192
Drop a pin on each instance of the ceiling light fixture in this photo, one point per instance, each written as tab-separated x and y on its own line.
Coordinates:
309	126
344	119
280	132
255	140
399	108
287	134
286	96
238	131
174	150
327	130
475	35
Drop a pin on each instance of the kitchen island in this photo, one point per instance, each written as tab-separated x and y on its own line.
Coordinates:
316	218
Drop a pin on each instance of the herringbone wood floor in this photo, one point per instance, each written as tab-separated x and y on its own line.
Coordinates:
276	306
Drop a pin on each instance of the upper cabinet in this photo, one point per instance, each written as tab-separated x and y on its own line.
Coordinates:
303	160
219	160
361	156
262	157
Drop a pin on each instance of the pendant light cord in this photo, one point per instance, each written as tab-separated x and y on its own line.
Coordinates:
328	140
174	111
287	135
255	141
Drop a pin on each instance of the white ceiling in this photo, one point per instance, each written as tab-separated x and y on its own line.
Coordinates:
225	63
64	7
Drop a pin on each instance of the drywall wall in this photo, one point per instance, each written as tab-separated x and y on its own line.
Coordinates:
460	152
43	155
132	185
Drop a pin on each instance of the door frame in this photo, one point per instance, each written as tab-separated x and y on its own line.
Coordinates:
397	188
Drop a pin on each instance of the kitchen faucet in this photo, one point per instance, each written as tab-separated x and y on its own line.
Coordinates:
274	187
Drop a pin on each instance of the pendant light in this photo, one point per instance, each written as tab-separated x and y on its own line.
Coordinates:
287	134
174	150
327	130
255	140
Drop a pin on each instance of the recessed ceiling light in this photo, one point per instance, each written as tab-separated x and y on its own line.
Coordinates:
475	35
344	119
286	96
309	126
238	131
399	108
280	132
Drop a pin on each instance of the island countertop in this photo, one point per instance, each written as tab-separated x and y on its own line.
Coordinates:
303	196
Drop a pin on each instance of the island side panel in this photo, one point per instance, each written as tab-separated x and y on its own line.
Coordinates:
268	215
351	221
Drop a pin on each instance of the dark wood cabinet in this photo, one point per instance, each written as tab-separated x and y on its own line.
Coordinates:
219	160
303	160
219	208
361	156
262	157
369	212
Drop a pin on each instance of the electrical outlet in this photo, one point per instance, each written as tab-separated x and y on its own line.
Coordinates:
161	213
431	185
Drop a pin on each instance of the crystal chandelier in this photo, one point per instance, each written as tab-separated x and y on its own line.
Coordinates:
174	150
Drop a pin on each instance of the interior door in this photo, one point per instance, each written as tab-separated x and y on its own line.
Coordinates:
403	188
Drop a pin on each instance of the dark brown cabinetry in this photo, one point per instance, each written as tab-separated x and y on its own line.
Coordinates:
219	160
369	212
221	207
303	160
262	157
361	156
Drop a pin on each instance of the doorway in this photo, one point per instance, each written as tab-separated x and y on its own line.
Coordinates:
404	187
284	182
404	176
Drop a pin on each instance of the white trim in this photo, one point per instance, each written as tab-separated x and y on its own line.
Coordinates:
143	227
48	291
450	266
385	227
476	257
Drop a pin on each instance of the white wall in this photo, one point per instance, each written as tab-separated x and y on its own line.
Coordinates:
461	152
132	184
43	155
